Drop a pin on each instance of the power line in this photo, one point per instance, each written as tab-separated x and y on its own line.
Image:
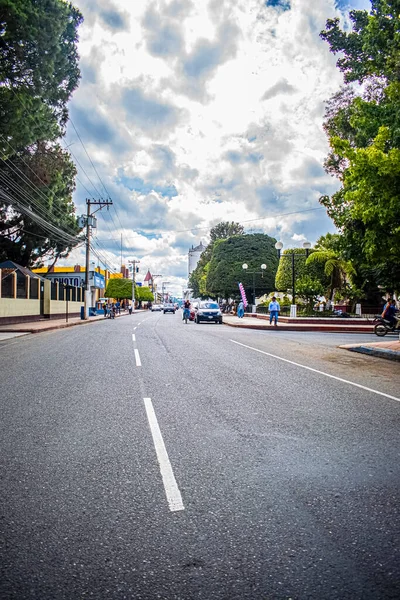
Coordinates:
55	231
57	212
9	183
240	222
98	176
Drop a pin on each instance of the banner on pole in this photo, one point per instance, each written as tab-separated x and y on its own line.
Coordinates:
243	294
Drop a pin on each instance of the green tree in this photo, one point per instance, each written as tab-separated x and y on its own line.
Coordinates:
336	268
122	289
198	278
284	275
119	288
309	289
143	294
38	70
225	230
41	179
364	131
225	267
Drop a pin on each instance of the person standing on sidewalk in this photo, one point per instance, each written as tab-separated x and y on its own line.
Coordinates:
240	310
274	309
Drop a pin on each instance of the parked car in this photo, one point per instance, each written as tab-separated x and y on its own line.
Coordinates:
169	307
156	307
208	311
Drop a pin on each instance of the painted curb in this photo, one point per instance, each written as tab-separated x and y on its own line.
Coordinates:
378	352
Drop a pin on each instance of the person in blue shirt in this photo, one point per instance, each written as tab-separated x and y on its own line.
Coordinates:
274	309
390	311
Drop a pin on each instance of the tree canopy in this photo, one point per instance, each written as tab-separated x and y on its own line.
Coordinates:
42	180
38	70
225	269
38	73
363	126
283	280
221	231
122	289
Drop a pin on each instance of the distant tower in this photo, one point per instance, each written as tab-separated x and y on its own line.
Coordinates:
194	255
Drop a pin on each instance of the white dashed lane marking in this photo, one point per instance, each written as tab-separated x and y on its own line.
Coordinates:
137	358
172	492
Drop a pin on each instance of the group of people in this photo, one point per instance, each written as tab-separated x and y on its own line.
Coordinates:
114	308
274	309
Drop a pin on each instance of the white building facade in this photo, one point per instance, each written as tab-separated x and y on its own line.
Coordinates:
194	255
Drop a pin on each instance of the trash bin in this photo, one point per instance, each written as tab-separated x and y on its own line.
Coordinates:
82	312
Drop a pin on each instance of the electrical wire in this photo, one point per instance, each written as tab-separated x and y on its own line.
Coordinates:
9	183
159	233
26	181
55	231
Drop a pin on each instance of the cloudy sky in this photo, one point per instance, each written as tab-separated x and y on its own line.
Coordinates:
192	112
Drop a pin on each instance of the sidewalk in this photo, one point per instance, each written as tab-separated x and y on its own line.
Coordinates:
49	324
262	323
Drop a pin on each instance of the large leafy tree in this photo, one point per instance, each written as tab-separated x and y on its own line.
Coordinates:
38	70
221	231
284	274
40	224
122	288
38	73
364	131
225	269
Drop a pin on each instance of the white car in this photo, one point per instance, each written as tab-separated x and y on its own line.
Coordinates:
156	307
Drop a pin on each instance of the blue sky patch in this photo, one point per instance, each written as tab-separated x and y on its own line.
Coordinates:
282	4
137	184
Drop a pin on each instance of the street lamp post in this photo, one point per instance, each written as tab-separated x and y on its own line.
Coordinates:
245	266
306	246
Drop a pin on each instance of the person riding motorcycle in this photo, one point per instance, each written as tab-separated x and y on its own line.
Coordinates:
389	312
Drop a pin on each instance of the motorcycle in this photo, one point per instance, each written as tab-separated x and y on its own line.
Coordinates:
383	326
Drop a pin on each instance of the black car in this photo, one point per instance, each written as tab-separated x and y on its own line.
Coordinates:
208	311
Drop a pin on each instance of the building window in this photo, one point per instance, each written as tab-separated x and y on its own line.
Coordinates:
7	283
33	288
21	285
61	291
53	285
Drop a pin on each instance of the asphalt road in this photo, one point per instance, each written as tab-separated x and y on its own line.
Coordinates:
143	458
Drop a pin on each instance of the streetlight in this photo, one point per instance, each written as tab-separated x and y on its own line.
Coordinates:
306	246
245	266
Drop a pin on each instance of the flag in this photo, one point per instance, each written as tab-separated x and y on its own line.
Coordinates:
243	294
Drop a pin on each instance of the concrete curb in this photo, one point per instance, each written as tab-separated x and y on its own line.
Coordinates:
379	352
306	328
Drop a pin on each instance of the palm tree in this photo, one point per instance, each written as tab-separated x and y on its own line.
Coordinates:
336	268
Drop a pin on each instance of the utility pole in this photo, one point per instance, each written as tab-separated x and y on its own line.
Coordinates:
134	263
90	221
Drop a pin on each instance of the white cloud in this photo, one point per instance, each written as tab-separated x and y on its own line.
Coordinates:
197	112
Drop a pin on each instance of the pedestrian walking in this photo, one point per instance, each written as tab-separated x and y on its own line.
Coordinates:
274	309
240	310
105	308
118	307
130	308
